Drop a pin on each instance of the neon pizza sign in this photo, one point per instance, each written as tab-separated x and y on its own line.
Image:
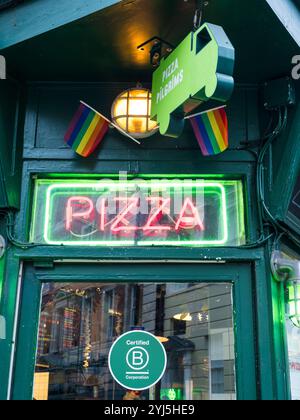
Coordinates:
136	213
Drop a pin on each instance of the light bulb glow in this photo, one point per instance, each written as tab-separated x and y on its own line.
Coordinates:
131	111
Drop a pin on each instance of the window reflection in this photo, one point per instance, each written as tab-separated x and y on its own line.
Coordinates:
80	322
293	334
293	340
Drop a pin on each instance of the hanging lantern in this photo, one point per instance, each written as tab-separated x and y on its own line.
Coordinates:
293	302
131	112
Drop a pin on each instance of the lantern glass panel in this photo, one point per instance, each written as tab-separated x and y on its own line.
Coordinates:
122	122
131	111
121	107
138	107
137	125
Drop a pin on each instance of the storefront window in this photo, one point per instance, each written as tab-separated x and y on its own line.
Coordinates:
293	334
80	322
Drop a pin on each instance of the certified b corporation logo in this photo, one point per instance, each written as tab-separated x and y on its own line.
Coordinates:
137	360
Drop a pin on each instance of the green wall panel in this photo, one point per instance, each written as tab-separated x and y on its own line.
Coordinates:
10	144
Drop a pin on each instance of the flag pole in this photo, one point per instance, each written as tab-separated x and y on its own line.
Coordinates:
111	123
204	112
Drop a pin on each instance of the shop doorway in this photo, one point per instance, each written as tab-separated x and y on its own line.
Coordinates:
202	313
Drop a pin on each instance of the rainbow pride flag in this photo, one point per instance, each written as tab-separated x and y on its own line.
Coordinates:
211	131
86	131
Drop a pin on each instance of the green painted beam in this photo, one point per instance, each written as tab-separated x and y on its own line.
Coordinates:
33	18
59	253
288	13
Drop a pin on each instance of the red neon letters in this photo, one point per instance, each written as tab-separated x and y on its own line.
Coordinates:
85	208
124	216
189	217
82	209
162	207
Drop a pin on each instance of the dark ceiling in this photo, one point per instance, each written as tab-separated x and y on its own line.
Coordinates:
103	46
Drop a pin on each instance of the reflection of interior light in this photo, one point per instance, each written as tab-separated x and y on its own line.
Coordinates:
114	313
203	316
131	111
80	293
185	316
40	365
162	339
87	356
41	386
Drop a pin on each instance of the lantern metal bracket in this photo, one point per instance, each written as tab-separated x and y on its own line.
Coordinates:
157	48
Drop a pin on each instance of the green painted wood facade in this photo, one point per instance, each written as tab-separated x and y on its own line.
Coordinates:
11	123
262	367
48	111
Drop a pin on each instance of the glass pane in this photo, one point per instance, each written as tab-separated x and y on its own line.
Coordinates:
138	107
294	358
80	322
120	108
137	125
293	331
122	122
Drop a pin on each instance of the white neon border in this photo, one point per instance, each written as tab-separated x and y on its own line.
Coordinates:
120	185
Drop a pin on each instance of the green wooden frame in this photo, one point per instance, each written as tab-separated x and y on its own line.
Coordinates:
237	274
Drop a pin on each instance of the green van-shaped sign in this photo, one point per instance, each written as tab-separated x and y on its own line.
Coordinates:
199	70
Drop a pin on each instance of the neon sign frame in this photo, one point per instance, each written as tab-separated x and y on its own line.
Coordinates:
77	188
